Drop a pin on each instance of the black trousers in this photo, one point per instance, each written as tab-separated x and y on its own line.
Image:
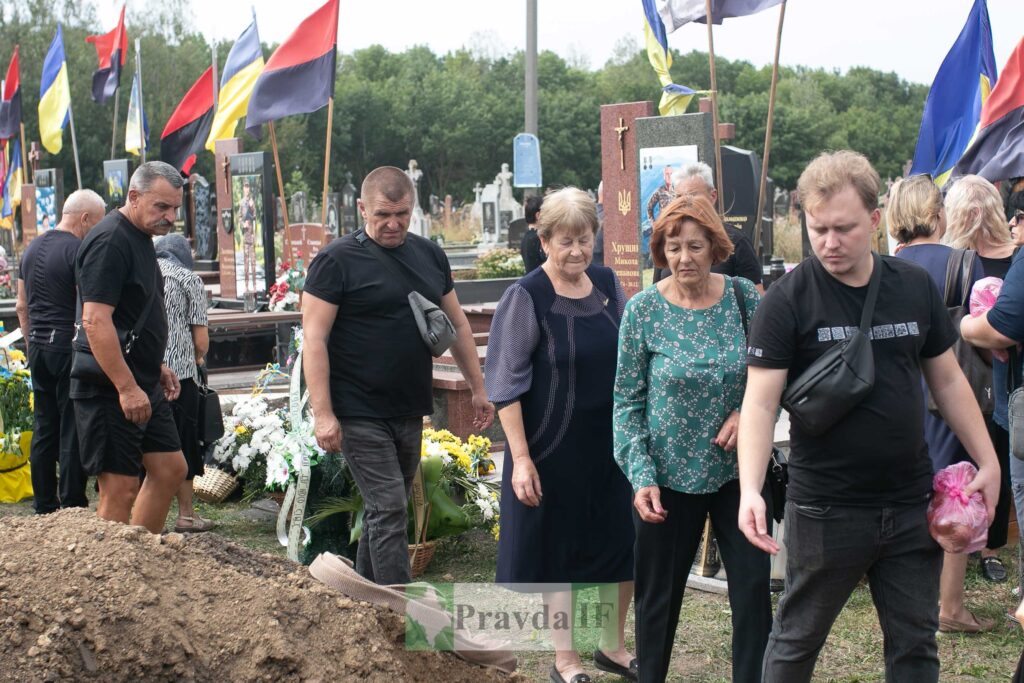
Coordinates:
999	529
54	438
664	554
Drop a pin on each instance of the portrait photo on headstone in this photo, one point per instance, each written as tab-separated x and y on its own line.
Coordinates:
247	198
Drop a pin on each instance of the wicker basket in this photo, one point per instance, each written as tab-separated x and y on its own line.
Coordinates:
215	485
422	558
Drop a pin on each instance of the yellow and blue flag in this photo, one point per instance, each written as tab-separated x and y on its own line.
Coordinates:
241	70
953	108
131	130
674	98
12	181
54	96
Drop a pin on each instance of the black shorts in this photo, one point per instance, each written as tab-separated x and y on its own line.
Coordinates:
109	443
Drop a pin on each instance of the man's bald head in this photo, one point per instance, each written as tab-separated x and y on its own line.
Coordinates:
387	182
82	210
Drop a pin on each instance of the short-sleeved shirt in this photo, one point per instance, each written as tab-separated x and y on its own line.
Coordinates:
185	303
380	367
876	454
681	373
48	271
1007	318
116	265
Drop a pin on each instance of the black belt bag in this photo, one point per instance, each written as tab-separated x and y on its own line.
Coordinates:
840	378
84	366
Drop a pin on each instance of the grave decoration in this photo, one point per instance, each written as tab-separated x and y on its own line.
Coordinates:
498	263
16	423
284	294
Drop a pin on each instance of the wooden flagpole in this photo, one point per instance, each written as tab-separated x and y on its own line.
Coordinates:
327	160
280	178
74	145
138	75
113	134
714	108
768	132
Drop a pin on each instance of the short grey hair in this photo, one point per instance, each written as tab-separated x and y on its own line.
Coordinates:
695	170
146	174
82	201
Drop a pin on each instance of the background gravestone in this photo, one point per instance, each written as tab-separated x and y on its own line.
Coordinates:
333	214
741	181
225	216
204	227
49	184
252	202
297	208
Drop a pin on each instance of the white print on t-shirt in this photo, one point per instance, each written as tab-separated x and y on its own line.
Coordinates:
906	329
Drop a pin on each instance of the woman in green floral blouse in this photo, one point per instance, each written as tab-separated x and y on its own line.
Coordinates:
678	389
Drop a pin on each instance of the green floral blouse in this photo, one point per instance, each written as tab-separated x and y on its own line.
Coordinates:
681	373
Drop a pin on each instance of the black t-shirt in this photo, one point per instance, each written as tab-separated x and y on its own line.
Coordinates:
48	271
877	453
117	266
742	262
380	367
529	247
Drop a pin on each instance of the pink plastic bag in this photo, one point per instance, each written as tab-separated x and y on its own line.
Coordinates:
983	297
957	522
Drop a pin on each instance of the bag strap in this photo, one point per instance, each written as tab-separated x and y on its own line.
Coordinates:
966	269
399	279
953	266
741	303
869	302
143	318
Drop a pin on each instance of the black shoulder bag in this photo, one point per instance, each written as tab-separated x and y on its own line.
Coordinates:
840	378
777	477
211	419
435	328
83	364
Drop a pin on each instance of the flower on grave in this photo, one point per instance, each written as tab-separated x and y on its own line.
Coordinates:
287	456
250	432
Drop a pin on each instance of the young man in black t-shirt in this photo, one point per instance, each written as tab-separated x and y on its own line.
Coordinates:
125	424
858	493
368	370
46	312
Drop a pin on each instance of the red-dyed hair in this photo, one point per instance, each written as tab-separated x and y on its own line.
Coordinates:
694	208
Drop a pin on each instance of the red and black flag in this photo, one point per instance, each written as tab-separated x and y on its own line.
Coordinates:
10	106
189	126
112	49
299	77
997	152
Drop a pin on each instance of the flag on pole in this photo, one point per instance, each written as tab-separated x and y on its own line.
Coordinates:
54	95
959	90
112	49
187	129
131	129
674	98
243	66
676	13
12	181
10	106
299	78
997	152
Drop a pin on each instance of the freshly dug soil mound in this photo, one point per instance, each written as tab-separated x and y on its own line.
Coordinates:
84	599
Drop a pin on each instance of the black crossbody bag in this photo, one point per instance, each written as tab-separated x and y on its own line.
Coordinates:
83	364
777	477
211	418
840	378
435	329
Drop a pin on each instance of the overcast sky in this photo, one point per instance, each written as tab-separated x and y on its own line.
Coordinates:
909	37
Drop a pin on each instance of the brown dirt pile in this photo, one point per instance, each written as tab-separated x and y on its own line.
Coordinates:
85	599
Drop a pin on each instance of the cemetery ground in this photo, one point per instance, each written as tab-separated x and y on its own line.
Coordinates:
853	652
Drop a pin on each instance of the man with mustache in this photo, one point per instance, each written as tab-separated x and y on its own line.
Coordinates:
125	423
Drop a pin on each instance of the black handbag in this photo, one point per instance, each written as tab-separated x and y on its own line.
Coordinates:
840	378
776	479
83	364
211	419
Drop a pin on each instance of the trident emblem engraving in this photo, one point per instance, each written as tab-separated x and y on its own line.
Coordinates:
625	201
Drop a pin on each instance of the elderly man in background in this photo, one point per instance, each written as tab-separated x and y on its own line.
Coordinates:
124	418
46	311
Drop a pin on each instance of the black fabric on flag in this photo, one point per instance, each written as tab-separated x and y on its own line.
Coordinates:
178	146
106	81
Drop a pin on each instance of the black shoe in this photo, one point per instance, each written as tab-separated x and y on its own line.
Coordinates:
993	569
578	678
604	663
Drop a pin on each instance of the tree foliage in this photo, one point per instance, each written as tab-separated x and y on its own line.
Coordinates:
457	113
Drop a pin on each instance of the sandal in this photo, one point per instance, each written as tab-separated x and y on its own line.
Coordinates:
195	525
993	570
556	677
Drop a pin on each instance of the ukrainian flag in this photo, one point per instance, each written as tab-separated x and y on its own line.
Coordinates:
54	96
243	66
953	108
674	98
12	182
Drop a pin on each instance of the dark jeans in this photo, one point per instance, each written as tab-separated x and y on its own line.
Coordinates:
664	554
54	438
830	549
383	456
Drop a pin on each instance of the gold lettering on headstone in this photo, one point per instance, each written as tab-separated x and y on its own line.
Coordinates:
625	201
622	144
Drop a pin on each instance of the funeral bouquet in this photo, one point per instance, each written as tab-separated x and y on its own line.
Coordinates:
284	293
251	432
287	456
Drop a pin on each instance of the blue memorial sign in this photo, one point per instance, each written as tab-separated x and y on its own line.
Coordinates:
526	161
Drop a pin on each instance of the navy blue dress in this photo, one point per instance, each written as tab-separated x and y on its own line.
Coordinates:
557	356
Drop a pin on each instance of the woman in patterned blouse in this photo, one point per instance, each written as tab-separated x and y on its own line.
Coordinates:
678	389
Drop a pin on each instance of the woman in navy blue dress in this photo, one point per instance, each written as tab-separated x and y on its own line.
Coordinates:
565	504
